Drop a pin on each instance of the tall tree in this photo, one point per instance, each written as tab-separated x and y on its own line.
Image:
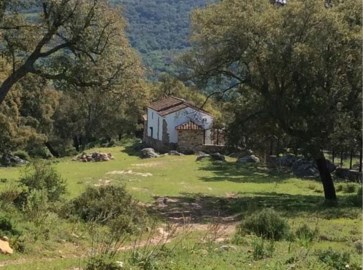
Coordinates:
301	60
53	39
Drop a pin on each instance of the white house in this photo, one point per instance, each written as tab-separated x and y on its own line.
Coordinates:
174	122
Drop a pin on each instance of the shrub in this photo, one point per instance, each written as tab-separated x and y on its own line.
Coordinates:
39	151
103	263
42	176
339	188
349	188
305	233
260	250
335	259
109	205
7	227
357	199
22	154
267	224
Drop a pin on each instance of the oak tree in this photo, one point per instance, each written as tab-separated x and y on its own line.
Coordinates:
301	61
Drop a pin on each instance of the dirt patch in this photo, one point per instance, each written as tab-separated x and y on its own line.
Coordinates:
149	164
130	172
103	182
195	210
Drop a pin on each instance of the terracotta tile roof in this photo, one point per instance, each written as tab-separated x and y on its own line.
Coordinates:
165	103
171	104
189	126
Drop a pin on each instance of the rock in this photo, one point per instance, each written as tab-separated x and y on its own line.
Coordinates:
342	173
175	153
5	248
10	160
305	169
96	156
228	247
217	156
201	156
287	160
331	166
149	153
248	159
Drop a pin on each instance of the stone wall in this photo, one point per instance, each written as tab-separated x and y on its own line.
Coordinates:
190	140
210	148
159	146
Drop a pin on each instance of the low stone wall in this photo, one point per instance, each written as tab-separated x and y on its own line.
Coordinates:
210	148
159	146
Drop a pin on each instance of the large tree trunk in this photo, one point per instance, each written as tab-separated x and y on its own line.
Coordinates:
52	150
360	155
326	179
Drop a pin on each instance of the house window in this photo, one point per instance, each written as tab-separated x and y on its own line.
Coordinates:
204	120
151	132
152	115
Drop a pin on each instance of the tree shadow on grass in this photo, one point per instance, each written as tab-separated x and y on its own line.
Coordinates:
228	171
197	208
133	149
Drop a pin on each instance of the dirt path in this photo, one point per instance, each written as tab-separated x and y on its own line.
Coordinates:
184	215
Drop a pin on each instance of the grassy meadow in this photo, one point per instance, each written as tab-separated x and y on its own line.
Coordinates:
207	200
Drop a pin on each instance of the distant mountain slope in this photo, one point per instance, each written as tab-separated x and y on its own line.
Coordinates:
159	29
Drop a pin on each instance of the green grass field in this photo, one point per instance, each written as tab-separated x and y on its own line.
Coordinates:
221	189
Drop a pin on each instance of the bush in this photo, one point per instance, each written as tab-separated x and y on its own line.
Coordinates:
357	199
109	205
42	176
102	263
349	188
39	151
7	227
335	259
260	250
339	188
267	224
305	233
22	154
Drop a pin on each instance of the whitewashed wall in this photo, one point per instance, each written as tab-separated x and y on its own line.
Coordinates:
175	119
185	115
155	121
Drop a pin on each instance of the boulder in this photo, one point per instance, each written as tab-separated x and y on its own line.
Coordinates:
5	247
217	156
248	159
175	153
149	153
201	156
287	160
305	168
10	160
331	166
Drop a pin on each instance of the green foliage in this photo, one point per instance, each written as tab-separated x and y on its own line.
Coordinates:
305	234
334	259
7	227
110	205
294	78
267	224
357	198
22	154
159	29
260	250
40	178
102	263
349	188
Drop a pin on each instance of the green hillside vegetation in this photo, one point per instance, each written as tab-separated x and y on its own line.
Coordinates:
159	29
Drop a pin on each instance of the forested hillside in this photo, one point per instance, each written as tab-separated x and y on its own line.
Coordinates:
159	29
